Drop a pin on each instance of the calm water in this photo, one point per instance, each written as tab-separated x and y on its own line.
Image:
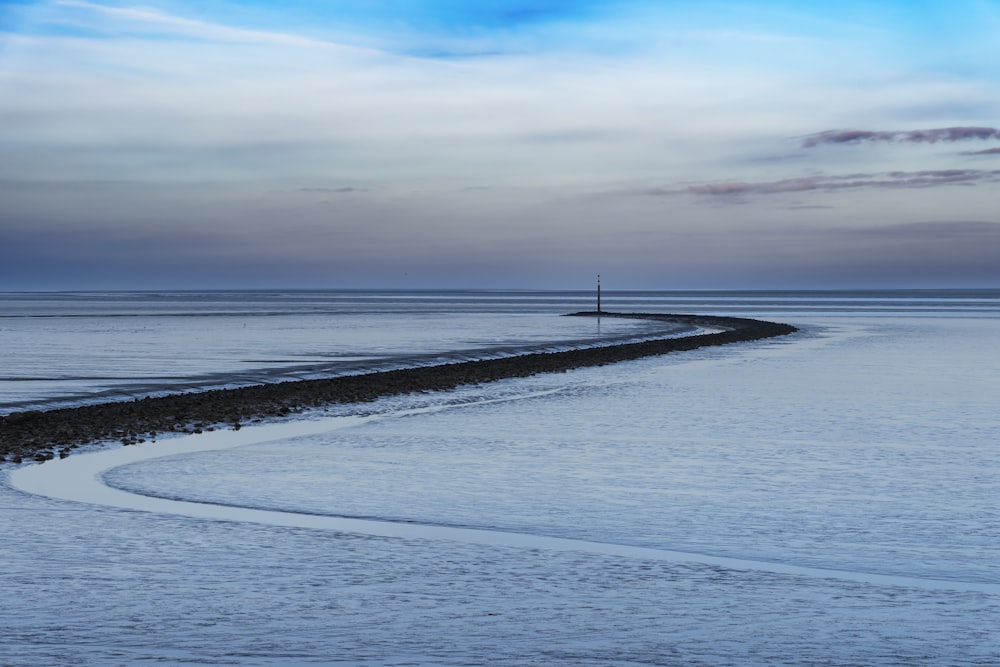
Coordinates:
64	349
70	349
829	498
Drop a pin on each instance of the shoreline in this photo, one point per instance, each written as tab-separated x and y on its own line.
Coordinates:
44	435
83	481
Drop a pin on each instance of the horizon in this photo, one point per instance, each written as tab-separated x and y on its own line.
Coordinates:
513	290
513	145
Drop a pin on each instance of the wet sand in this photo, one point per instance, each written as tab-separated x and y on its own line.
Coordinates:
43	435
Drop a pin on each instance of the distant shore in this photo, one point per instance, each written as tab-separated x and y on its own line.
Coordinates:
43	435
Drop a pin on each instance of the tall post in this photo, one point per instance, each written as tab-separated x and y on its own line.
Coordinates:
598	294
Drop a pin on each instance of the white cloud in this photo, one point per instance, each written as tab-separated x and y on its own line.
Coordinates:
124	18
197	121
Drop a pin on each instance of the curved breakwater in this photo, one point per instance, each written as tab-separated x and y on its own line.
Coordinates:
46	434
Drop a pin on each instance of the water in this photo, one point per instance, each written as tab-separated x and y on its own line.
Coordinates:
69	349
829	498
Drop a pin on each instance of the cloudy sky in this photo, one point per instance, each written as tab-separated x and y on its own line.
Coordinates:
499	143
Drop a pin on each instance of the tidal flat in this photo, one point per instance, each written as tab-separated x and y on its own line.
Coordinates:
822	498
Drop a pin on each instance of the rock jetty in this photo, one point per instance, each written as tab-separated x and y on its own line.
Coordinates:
43	435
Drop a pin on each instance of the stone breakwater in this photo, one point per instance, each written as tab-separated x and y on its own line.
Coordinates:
42	435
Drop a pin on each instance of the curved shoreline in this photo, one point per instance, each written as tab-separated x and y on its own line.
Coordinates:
46	434
83	481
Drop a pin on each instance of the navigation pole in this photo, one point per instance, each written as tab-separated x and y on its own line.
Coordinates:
598	294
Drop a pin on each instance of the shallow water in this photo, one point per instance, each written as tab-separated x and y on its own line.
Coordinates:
66	349
829	498
77	348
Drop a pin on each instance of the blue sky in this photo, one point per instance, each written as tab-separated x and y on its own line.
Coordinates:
501	143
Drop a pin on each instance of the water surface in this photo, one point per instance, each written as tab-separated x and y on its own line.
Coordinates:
827	498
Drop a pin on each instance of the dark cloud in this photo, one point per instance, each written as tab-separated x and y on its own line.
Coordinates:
885	180
942	253
988	151
953	252
333	190
936	231
945	134
776	159
930	253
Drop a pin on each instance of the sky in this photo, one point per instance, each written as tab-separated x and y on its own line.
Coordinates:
174	144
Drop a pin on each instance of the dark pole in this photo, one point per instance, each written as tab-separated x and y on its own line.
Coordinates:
598	293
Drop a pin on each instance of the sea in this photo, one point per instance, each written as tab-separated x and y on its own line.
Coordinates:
831	497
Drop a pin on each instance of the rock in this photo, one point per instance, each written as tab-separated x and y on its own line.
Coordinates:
33	433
